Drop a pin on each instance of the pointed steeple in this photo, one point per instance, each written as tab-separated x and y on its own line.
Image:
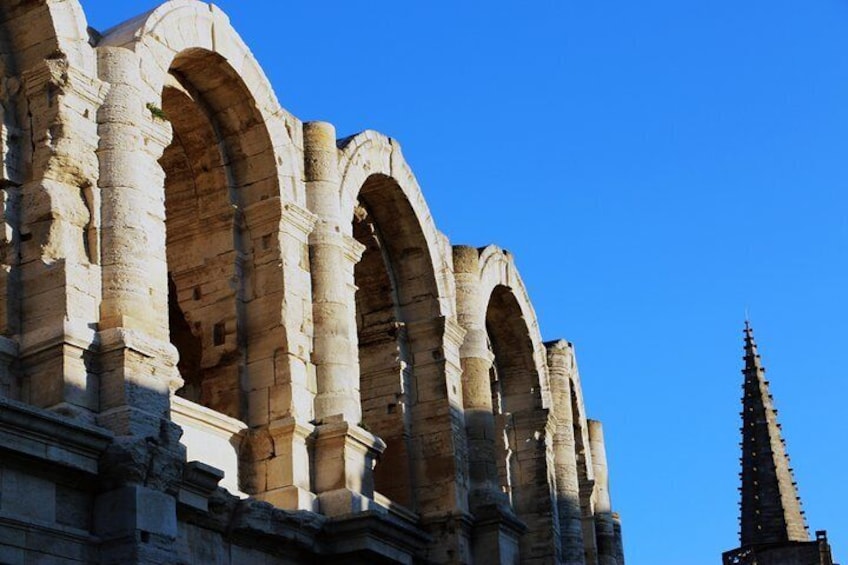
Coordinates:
770	509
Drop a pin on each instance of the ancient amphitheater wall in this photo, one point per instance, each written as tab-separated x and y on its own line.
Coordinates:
234	327
223	245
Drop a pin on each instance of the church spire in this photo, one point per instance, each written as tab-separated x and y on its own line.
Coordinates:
770	509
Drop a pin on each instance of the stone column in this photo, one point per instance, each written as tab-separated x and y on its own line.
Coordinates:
560	366
297	398
138	361
476	360
590	543
604	525
334	342
55	276
496	528
585	472
619	541
344	454
136	520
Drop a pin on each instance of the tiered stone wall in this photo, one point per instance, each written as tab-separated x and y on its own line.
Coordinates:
229	336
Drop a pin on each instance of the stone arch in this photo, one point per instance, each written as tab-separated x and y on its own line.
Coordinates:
62	33
209	190
371	153
234	229
49	175
180	26
520	398
403	311
44	53
497	269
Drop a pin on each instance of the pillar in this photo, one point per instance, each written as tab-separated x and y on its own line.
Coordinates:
496	530
604	524
476	360
439	447
276	459
344	453
138	361
135	520
619	541
561	365
334	340
55	276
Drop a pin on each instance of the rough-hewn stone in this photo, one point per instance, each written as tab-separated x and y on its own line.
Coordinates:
229	336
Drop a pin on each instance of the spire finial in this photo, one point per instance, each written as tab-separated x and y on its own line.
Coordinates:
752	358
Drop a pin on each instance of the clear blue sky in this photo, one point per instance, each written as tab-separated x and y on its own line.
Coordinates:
656	167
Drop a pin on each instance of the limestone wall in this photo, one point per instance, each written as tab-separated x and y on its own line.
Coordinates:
253	330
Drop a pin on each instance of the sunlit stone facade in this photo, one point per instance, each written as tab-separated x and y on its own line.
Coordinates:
232	337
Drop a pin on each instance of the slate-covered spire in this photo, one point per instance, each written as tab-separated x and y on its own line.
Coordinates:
770	509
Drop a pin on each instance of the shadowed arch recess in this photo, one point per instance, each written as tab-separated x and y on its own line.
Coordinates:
219	168
520	395
395	289
372	167
404	298
497	269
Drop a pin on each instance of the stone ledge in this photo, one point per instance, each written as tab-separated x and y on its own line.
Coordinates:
256	524
51	539
199	482
183	410
114	338
374	537
8	349
65	332
300	218
335	428
500	515
211	438
398	510
47	436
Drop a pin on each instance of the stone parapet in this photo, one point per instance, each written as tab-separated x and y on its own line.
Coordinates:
50	438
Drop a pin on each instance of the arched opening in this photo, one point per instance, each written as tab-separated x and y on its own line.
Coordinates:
517	407
395	289
513	388
203	253
222	246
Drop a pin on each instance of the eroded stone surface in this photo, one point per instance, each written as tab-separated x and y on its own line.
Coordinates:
176	248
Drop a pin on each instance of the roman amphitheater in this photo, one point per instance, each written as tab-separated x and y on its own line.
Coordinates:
229	336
